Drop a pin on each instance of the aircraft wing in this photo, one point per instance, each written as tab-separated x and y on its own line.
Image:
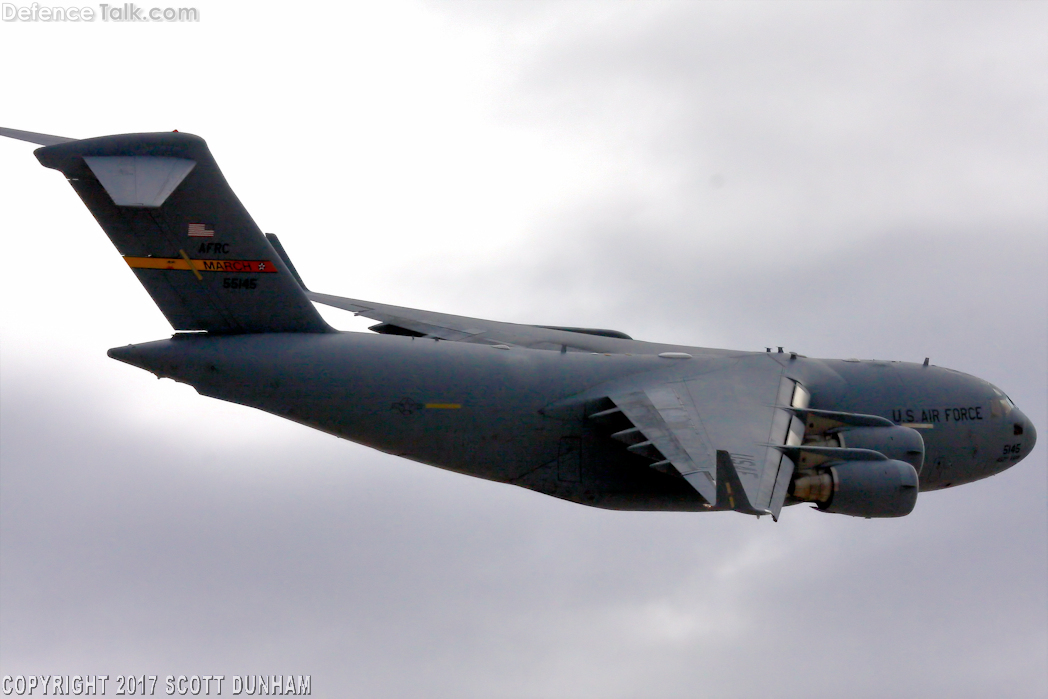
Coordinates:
664	419
396	320
721	427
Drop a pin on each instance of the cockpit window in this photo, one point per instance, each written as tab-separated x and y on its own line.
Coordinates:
1001	407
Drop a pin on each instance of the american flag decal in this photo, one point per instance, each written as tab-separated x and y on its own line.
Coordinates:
200	230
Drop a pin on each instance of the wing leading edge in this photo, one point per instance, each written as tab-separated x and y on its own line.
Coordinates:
396	320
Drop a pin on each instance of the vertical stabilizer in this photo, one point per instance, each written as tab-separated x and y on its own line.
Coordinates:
167	208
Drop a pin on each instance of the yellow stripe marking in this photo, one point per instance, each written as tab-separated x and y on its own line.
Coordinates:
157	263
444	406
198	266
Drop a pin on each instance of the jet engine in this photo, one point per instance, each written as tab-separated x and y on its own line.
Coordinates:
858	465
868	488
895	442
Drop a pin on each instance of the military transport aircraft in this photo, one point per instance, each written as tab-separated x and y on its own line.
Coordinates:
584	414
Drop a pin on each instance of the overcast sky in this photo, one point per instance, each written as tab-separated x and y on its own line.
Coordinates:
844	179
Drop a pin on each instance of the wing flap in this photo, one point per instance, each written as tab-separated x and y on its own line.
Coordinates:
659	413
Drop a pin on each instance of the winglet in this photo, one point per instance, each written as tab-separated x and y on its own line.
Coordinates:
730	492
42	139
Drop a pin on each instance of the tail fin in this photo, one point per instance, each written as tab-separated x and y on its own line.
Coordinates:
164	203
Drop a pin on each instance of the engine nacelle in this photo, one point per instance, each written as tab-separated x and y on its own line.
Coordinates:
861	488
896	442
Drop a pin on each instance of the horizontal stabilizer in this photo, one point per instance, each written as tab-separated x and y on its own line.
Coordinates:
41	139
33	137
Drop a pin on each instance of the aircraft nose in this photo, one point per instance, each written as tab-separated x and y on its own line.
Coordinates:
1023	428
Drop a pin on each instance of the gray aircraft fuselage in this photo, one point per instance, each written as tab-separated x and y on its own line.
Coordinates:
507	414
587	415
